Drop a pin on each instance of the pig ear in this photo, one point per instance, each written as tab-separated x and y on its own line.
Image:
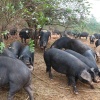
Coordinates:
86	75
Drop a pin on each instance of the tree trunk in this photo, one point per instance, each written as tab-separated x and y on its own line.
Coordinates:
36	35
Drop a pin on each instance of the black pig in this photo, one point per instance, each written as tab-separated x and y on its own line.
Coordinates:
44	37
15	47
80	47
61	43
16	74
97	43
68	64
8	53
27	56
93	66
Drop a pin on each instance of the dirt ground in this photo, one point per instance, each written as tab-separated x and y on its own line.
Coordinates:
57	88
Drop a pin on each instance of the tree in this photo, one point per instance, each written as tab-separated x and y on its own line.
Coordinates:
8	13
38	13
71	12
92	25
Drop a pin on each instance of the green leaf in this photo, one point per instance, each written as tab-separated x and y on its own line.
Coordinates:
2	46
5	32
31	45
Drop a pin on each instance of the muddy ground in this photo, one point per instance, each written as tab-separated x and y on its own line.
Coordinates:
57	88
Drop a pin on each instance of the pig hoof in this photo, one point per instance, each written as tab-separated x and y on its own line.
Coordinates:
75	92
51	78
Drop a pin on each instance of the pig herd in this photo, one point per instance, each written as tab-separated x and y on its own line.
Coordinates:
77	61
16	64
67	56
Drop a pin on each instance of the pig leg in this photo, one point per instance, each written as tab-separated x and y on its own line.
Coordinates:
91	85
22	40
76	79
73	83
50	74
70	82
30	92
13	89
48	69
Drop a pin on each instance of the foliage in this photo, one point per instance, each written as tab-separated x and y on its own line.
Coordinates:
92	25
38	13
9	12
31	45
2	46
61	12
5	32
71	12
